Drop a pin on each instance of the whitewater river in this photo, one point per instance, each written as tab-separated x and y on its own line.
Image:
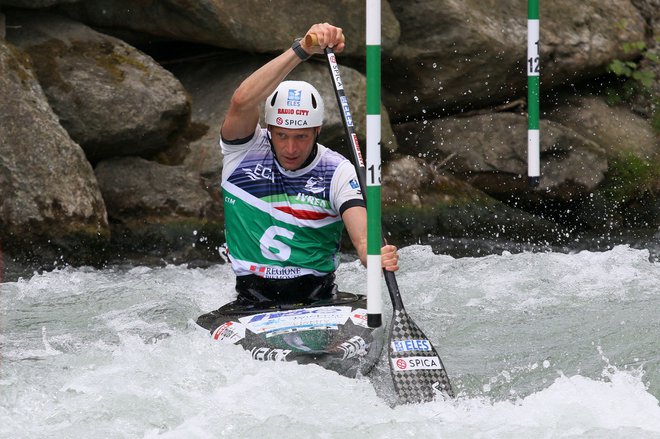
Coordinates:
538	345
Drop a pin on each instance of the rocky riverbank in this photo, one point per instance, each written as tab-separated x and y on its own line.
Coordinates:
110	114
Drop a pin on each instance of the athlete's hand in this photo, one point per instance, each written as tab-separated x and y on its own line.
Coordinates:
326	35
389	258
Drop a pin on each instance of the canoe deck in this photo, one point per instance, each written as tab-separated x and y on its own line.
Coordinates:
332	333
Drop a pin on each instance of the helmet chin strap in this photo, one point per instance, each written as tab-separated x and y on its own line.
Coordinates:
310	157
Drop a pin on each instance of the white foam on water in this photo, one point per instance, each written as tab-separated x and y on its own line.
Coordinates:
536	345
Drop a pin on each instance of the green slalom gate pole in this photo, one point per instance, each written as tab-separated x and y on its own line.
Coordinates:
373	195
533	94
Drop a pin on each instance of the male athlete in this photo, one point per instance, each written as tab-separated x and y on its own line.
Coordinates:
287	198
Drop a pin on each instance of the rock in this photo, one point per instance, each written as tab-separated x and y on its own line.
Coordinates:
421	201
50	197
647	100
625	198
112	99
36	4
615	128
248	25
455	55
211	84
490	152
159	208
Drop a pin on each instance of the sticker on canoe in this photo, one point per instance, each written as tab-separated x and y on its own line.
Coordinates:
305	319
230	332
415	363
359	317
356	346
269	354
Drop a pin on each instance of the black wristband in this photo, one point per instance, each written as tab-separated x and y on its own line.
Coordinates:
297	48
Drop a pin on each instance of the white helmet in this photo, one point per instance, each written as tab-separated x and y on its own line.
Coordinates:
295	104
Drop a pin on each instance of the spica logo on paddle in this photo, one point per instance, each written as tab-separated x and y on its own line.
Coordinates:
411	345
415	363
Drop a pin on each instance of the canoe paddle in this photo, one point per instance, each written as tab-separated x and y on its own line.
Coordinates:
416	368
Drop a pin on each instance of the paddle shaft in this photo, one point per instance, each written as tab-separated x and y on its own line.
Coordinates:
358	162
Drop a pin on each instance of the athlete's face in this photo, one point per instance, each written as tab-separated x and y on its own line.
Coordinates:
292	147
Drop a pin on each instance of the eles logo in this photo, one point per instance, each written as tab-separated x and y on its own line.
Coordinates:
315	185
293	98
411	345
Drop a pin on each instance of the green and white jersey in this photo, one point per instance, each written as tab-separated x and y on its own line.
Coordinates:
283	224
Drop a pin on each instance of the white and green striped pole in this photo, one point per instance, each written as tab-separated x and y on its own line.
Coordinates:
533	94
374	234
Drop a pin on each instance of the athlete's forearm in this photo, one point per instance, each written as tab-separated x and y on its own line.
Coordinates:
243	113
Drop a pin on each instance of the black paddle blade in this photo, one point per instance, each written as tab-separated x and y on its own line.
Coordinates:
417	370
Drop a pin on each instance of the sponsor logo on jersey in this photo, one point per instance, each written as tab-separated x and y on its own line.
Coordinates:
411	345
415	363
273	272
313	201
315	185
354	184
260	172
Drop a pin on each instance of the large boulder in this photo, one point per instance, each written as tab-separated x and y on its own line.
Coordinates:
248	25
490	152
629	195
616	129
457	54
49	196
422	200
112	99
160	209
36	4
